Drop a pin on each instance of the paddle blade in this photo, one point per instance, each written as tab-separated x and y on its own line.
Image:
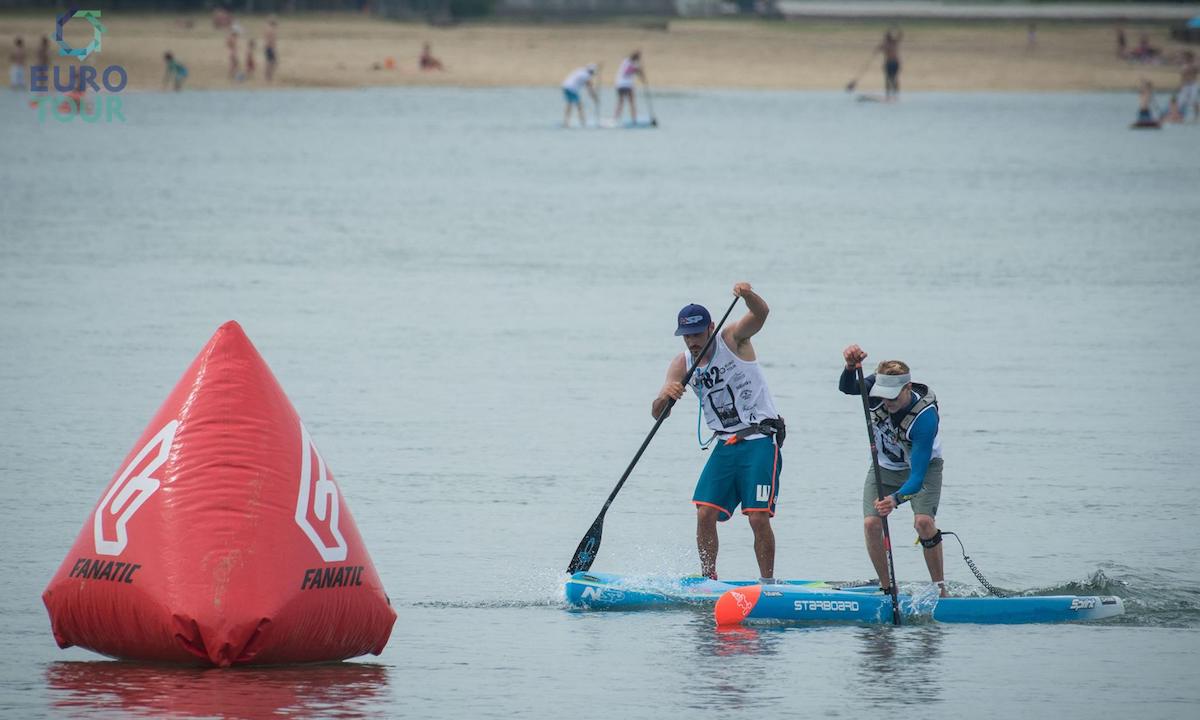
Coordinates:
585	554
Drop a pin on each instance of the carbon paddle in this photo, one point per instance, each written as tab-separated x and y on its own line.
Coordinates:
589	546
654	123
887	537
851	85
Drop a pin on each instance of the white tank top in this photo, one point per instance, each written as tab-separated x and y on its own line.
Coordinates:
627	73
732	392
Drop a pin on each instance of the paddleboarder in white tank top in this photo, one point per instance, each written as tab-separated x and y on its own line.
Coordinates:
744	466
627	75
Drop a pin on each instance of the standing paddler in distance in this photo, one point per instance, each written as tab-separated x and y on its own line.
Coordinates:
572	86
904	417
745	465
890	47
627	74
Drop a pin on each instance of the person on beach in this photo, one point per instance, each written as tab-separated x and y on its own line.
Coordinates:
16	69
231	42
744	467
576	81
43	53
176	72
1122	44
1146	104
904	419
627	75
269	51
1145	52
221	17
427	61
890	47
250	48
1189	89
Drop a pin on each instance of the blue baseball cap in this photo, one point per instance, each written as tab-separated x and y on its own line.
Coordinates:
693	319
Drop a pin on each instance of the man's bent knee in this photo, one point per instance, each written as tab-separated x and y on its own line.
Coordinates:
924	525
707	514
873	524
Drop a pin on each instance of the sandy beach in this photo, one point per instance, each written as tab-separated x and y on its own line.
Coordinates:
352	51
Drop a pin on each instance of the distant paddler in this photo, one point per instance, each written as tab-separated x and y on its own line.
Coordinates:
890	47
627	76
737	406
572	86
904	418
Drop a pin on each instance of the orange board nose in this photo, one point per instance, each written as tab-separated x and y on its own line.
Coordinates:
735	605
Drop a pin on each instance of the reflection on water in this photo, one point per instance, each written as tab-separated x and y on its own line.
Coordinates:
731	684
739	640
891	655
344	690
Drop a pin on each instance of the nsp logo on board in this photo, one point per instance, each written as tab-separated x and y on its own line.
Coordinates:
72	81
602	594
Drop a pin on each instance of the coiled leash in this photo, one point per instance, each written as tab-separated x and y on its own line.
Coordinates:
970	563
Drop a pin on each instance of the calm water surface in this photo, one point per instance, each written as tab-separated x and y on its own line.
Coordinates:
472	309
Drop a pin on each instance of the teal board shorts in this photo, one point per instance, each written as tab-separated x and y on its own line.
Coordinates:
923	503
744	473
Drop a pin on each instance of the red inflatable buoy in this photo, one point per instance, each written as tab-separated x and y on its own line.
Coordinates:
223	538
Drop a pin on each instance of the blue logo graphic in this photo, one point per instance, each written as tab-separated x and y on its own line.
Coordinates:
73	81
64	48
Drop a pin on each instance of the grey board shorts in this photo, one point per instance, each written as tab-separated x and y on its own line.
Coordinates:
923	503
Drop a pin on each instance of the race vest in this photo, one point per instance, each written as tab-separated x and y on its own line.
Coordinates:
895	443
732	391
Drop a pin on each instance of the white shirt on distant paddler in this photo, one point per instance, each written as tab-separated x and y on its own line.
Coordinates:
576	81
627	73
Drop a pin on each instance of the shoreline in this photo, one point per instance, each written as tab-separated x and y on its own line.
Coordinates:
352	51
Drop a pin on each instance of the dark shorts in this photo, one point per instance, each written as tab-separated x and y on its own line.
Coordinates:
745	473
624	91
270	54
892	68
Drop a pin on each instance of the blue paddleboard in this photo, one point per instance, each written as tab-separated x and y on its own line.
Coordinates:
607	591
799	604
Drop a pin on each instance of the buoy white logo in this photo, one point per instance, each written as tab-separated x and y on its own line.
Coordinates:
129	493
319	495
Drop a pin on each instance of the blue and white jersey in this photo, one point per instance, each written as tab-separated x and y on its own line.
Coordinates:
732	391
897	448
